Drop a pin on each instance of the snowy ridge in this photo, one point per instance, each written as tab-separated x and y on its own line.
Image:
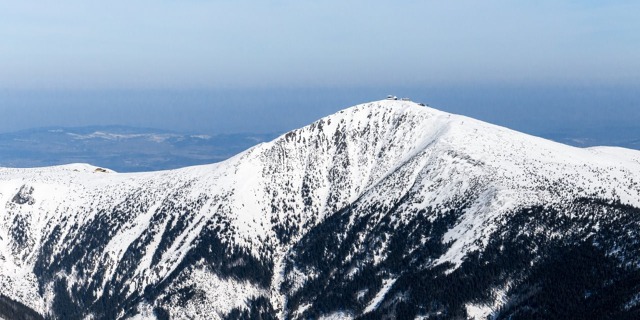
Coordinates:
194	241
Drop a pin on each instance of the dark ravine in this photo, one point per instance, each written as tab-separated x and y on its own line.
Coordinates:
14	310
573	277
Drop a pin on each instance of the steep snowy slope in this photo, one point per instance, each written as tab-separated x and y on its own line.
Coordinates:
369	212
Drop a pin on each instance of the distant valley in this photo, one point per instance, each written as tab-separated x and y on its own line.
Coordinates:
131	149
625	137
121	148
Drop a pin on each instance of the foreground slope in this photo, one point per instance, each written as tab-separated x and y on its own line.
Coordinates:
383	209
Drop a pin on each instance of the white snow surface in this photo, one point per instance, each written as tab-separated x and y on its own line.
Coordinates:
373	152
375	302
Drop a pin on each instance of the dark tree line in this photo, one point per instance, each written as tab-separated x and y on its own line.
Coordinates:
14	310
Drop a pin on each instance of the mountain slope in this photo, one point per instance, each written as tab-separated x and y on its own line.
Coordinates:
383	209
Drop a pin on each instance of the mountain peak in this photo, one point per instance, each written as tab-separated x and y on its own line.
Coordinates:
382	203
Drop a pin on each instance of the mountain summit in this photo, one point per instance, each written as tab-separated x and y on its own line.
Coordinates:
383	210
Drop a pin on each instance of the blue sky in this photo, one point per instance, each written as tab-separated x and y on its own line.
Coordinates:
120	61
187	44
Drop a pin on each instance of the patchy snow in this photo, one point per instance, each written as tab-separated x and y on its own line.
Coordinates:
298	312
214	298
635	300
478	311
145	312
340	315
375	302
482	311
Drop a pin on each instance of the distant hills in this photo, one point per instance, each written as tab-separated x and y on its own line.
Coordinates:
121	148
131	149
622	136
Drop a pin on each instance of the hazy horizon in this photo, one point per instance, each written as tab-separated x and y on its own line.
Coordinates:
225	67
540	110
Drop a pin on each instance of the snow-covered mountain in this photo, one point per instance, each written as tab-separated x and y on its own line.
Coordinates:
384	210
